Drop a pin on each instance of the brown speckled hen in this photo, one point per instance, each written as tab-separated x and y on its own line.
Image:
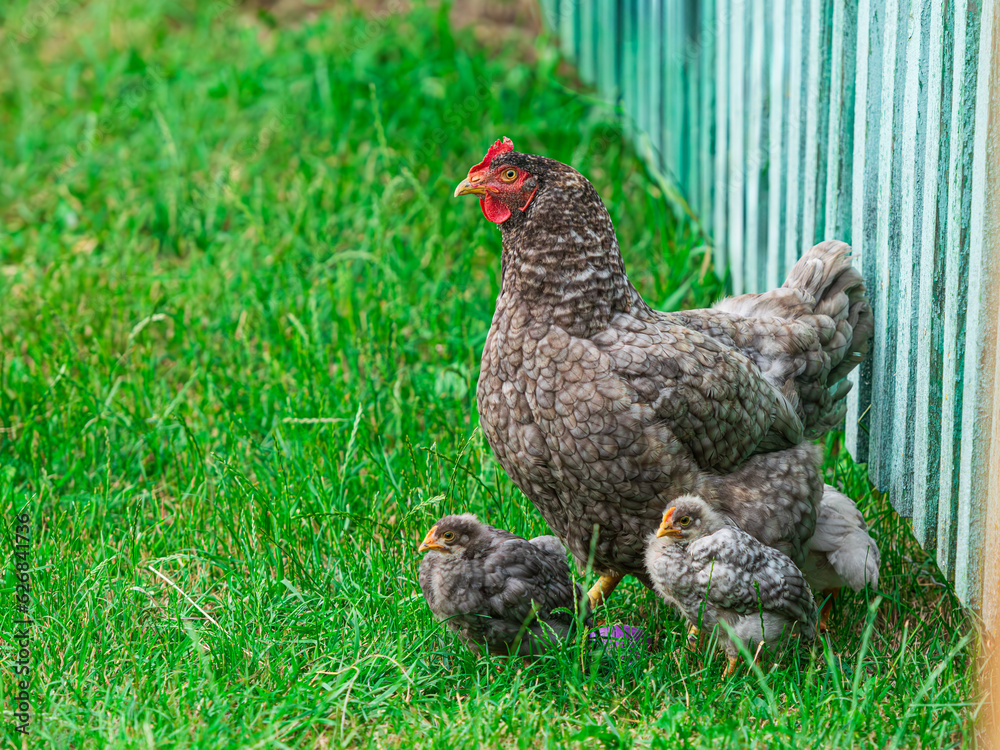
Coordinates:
603	410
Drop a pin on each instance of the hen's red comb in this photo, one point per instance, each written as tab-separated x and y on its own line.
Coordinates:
500	146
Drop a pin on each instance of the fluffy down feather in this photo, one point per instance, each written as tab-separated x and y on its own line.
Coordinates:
841	552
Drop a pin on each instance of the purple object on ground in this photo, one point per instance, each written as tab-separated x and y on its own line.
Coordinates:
626	642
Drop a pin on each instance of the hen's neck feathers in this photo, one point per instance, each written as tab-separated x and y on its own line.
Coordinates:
561	259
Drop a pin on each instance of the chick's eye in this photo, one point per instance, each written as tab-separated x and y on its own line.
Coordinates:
684	520
449	535
509	175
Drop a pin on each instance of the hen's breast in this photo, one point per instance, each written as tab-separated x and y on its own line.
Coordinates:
577	438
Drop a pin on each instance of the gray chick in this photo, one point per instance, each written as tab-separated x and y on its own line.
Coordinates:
496	589
714	572
841	552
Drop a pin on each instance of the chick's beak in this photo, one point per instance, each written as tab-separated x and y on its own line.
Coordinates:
471	184
429	543
666	526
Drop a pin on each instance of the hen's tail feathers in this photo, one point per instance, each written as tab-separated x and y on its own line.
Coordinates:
825	277
824	292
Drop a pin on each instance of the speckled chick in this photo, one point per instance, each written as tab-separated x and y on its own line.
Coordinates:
603	410
496	589
714	572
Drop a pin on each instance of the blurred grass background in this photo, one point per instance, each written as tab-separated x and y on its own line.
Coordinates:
240	330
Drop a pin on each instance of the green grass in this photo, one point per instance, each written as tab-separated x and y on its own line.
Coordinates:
240	327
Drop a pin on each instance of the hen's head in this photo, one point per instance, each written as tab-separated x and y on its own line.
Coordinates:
453	534
689	518
507	181
560	252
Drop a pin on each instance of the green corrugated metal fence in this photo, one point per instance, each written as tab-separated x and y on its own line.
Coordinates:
791	121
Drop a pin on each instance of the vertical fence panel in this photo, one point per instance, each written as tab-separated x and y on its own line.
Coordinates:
691	128
777	165
755	149
642	35
912	131
867	91
977	412
883	292
840	140
794	112
823	50
720	194
567	17
654	53
736	169
682	31
673	92
954	306
810	172
608	45
927	398
708	134
630	61
990	514
586	57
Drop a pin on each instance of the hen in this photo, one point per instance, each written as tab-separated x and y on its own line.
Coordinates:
603	410
497	590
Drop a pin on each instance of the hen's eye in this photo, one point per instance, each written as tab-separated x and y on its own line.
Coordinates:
509	175
684	520
449	535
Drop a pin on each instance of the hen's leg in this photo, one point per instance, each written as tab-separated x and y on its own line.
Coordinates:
602	589
824	613
734	660
693	638
731	667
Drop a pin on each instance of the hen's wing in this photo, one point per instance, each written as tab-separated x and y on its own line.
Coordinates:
742	575
814	329
712	397
522	579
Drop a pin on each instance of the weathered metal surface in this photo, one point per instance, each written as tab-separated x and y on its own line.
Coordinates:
790	121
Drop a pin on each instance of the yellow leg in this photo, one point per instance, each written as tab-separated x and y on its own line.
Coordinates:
731	667
734	661
693	638
601	590
824	613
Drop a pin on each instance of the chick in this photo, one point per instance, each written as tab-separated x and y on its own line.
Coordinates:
497	590
714	572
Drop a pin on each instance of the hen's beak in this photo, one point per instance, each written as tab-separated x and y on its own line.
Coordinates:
666	526
428	544
471	184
